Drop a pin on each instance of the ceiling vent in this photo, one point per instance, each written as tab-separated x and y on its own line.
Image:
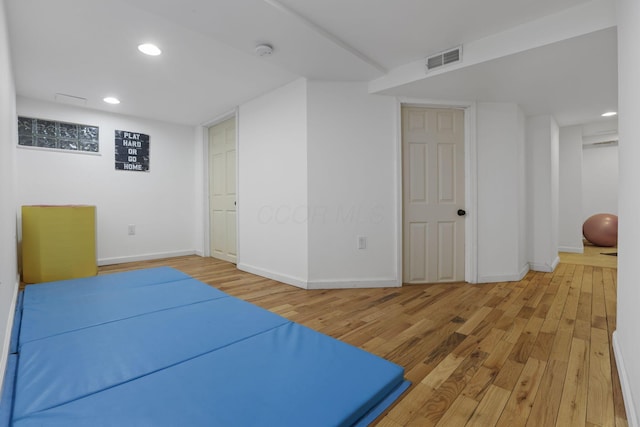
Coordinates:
78	101
444	58
598	139
600	144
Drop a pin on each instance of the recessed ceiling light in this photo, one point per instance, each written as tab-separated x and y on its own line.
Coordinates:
609	114
111	100
149	49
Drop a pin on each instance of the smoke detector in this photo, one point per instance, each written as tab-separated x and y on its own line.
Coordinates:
264	50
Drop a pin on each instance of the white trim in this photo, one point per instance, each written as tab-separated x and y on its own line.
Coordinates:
571	249
58	150
283	278
6	345
506	277
435	103
234	114
144	257
523	271
629	404
399	216
219	119
471	195
501	278
470	176
238	204
546	268
350	284
206	229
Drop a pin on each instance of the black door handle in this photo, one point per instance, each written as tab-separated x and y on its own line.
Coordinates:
462	212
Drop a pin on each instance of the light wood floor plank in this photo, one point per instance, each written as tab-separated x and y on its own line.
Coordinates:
459	413
435	408
573	406
600	398
547	402
518	407
490	407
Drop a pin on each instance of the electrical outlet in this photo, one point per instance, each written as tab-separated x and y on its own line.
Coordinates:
132	229
362	242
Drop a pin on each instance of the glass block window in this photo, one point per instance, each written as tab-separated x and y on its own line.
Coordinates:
42	133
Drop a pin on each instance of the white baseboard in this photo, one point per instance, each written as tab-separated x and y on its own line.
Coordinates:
320	284
499	278
351	284
7	335
524	270
289	280
143	257
571	249
545	268
629	404
505	277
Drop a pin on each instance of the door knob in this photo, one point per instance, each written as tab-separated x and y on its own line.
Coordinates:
462	212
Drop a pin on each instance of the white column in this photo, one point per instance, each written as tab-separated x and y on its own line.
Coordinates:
500	192
542	192
570	190
626	338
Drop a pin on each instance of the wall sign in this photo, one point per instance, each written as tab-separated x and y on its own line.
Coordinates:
132	151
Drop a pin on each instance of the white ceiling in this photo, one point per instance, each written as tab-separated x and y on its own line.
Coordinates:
88	49
575	80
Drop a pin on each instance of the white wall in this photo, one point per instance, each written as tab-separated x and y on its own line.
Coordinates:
542	192
160	203
352	158
501	177
8	238
626	338
272	185
570	217
599	180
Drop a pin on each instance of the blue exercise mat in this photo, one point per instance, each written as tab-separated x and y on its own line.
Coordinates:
134	350
117	352
52	292
73	313
288	376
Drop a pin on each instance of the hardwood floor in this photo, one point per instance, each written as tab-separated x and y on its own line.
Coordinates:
532	353
593	255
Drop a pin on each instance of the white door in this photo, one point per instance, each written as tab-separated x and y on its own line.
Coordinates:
433	194
222	190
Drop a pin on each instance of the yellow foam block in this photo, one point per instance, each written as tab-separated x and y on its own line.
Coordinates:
58	243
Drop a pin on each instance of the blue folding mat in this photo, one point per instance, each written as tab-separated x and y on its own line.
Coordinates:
156	347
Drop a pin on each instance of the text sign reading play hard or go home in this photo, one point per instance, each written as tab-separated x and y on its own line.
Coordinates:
132	151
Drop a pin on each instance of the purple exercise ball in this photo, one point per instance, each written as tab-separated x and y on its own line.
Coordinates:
601	229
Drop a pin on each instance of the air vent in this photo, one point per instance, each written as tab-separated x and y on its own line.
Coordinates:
608	137
609	143
70	99
444	58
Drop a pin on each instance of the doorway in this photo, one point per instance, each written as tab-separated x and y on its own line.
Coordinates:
222	191
433	194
